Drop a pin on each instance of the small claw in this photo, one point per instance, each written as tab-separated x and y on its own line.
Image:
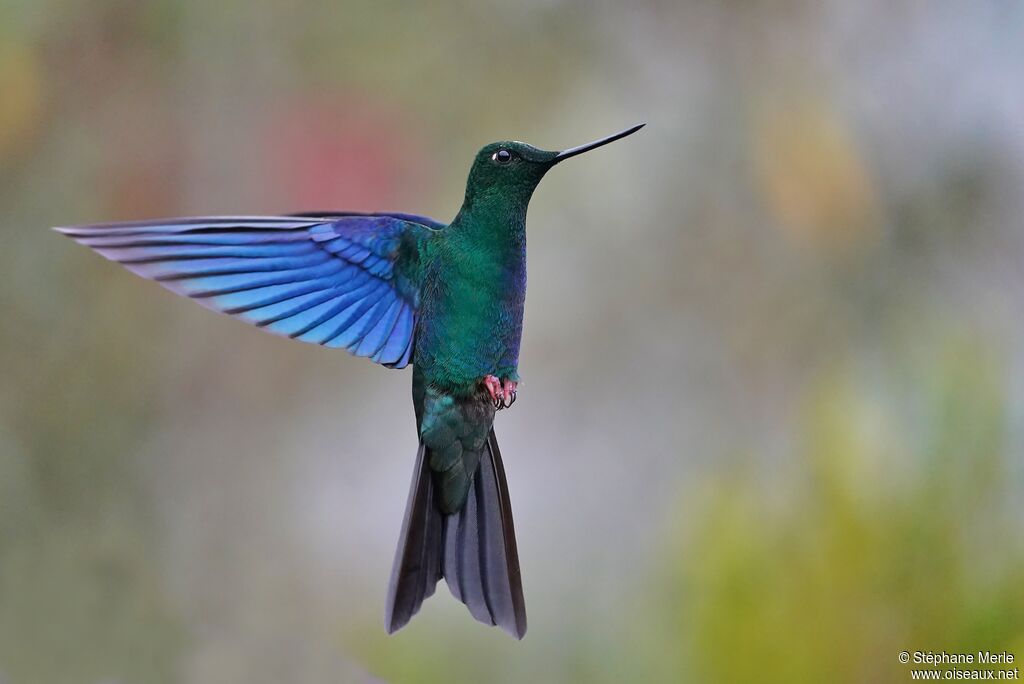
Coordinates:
493	386
509	390
503	395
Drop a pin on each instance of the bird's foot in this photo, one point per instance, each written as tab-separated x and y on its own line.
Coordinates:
502	394
509	390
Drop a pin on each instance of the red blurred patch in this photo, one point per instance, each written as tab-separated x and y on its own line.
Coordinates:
339	155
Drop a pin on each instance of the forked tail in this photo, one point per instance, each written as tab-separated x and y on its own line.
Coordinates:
473	549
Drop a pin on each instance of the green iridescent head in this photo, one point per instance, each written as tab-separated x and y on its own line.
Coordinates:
510	171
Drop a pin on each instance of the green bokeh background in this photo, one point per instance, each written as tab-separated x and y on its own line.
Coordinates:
773	414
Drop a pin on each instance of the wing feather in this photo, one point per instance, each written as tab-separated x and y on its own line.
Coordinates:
333	279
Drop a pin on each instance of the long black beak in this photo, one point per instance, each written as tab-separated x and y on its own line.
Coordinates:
572	152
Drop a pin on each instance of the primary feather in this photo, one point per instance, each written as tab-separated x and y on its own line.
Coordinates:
333	280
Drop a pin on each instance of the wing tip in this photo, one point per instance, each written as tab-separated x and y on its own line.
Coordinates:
191	222
70	231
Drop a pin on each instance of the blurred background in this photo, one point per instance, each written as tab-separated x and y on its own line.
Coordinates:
772	421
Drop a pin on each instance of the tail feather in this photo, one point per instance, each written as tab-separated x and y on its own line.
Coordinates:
464	564
417	565
504	579
474	549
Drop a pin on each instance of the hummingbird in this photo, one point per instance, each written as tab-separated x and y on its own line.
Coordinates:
399	289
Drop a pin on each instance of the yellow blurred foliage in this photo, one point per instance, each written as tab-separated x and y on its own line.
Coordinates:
20	105
812	176
870	546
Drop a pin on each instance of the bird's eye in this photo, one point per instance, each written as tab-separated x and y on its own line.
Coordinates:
502	156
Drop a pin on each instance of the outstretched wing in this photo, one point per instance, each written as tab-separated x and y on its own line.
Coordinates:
335	280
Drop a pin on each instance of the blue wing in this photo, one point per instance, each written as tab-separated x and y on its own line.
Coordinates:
332	279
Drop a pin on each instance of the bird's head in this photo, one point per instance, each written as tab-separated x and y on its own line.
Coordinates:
509	171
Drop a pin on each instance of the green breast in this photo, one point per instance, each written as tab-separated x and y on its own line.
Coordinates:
471	310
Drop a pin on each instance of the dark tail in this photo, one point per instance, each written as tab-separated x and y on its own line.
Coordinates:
474	549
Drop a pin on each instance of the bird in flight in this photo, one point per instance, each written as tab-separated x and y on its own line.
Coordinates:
401	290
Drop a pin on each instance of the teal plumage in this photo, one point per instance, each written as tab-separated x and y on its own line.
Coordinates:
454	429
398	289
